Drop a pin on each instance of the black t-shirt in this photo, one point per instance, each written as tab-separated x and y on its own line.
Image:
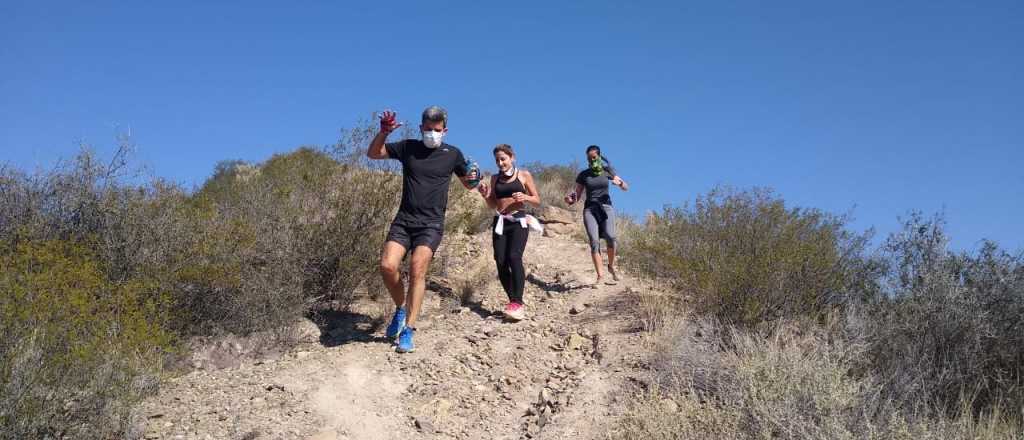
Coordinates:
596	186
426	175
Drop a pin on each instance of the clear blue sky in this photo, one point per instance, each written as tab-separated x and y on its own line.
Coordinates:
879	107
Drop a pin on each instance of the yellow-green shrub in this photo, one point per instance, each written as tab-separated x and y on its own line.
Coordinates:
77	350
745	257
297	228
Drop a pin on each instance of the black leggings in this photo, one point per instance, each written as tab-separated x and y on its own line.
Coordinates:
508	255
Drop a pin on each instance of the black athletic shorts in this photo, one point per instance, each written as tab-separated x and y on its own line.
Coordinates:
410	236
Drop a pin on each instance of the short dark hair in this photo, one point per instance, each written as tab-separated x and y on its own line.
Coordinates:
592	148
435	114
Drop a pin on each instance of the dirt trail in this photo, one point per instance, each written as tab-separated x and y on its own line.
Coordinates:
561	373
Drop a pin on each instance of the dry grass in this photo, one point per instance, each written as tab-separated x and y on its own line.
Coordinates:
912	342
789	381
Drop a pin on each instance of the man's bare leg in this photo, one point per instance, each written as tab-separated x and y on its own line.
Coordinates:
390	270
418	265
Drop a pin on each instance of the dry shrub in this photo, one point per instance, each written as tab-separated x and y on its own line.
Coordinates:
656	415
656	311
300	228
247	252
950	331
913	342
788	381
467	212
554	182
747	258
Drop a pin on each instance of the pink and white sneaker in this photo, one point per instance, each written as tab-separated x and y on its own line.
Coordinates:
515	311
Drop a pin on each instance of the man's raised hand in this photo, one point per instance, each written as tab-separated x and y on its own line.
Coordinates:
388	122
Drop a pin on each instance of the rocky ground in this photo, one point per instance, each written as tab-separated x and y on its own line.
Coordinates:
561	373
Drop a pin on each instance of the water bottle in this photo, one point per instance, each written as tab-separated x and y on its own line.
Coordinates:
471	166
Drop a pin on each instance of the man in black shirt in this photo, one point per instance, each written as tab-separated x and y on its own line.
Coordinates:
427	167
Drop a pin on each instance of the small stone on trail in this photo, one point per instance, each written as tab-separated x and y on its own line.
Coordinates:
545	397
669	405
575	342
578	308
424	425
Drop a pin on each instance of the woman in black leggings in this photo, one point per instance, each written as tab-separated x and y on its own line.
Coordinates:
508	193
598	214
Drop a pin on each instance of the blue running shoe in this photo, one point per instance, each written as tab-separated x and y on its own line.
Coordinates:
405	341
397	324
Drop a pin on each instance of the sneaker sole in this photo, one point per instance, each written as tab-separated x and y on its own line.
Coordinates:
402	350
516	318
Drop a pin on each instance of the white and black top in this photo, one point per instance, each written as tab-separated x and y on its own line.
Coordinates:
426	175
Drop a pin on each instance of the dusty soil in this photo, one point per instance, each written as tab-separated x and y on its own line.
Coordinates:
561	373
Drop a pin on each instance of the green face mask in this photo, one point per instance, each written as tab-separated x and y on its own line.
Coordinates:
596	166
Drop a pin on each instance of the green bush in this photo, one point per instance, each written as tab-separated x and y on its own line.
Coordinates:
298	228
745	257
78	351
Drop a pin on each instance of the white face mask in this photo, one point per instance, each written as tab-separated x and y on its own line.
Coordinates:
432	139
511	170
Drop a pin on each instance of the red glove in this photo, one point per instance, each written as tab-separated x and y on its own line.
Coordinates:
388	122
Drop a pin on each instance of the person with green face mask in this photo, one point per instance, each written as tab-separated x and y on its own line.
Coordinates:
598	214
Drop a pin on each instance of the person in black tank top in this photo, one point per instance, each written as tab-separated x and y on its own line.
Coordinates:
508	194
506	190
598	214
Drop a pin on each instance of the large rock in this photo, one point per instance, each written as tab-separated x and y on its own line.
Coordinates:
555	215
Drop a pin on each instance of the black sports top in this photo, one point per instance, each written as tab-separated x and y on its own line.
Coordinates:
504	190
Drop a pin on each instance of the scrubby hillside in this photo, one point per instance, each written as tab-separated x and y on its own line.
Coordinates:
250	307
795	329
